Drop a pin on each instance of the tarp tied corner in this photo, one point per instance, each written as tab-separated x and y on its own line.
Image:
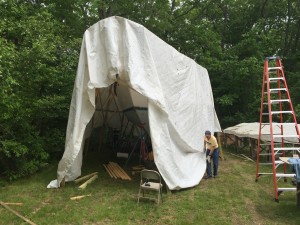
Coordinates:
180	100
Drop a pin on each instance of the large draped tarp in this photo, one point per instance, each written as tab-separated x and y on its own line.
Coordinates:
180	100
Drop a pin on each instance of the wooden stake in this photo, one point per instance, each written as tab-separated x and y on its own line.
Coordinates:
80	197
13	203
83	186
85	177
17	214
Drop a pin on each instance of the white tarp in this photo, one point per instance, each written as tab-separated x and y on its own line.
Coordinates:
251	130
180	100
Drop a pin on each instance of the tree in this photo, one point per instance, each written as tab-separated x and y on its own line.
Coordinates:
37	69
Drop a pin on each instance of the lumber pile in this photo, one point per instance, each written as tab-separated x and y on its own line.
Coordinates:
115	171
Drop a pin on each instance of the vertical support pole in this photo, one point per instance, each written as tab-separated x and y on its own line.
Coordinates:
298	193
260	121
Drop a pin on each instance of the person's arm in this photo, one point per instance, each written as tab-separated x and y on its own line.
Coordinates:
212	148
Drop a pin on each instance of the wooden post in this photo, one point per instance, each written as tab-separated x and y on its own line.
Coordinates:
83	186
78	180
298	193
220	146
16	213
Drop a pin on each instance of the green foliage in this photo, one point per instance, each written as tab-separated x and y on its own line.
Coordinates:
40	42
37	70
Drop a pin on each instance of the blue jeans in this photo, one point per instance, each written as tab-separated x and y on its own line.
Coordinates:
215	159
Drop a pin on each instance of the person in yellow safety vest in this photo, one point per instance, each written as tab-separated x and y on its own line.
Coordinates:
212	154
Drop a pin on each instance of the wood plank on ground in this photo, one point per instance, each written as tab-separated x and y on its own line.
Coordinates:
78	180
16	213
83	186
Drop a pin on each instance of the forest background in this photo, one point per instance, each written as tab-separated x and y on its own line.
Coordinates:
39	49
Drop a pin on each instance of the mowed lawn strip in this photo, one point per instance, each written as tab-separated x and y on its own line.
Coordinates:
232	198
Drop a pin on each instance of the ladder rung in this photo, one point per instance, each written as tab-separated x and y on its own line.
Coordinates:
279	100
272	58
275	124
282	112
286	189
287	148
283	135
265	173
275	78
276	101
274	68
277	89
285	175
276	162
267	144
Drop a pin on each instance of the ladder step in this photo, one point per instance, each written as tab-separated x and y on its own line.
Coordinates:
272	58
285	175
277	89
283	135
275	124
286	189
282	112
287	148
278	162
276	101
279	100
273	91
278	112
274	68
268	144
275	78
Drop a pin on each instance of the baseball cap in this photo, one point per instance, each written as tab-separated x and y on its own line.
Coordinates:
207	132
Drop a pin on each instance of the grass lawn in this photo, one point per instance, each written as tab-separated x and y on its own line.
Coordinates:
232	198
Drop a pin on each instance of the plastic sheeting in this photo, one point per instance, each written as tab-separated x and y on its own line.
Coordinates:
251	130
180	100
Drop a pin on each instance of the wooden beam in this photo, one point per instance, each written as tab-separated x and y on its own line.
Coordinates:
85	177
83	186
13	203
16	213
124	174
107	170
111	169
79	197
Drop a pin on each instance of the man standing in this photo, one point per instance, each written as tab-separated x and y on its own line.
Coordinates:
212	152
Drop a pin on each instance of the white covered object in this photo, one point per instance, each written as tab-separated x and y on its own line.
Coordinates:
180	100
251	130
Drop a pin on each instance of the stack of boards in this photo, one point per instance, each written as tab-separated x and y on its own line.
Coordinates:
115	171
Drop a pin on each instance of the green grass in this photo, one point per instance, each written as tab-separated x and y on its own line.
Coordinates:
233	198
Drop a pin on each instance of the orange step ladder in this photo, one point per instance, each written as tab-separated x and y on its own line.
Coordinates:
277	115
